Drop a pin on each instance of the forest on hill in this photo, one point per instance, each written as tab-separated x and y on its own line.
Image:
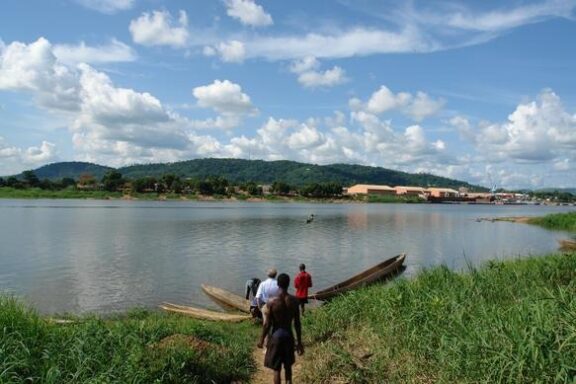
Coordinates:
257	171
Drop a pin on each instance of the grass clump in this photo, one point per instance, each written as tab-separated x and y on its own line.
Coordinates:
559	221
511	321
140	347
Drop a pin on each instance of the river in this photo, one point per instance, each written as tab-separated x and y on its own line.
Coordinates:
104	256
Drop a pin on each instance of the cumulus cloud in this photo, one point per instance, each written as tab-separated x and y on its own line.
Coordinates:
537	131
225	98
309	75
417	107
158	28
14	158
34	68
230	52
248	13
109	124
115	51
107	6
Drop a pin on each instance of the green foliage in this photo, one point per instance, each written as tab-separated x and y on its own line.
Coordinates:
322	190
509	322
72	169
30	179
559	221
69	193
238	171
142	347
555	195
112	181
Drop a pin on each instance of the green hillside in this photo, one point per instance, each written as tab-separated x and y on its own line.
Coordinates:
72	169
259	171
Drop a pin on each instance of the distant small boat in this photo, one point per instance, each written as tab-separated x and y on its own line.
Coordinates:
227	299
204	314
568	245
310	218
378	272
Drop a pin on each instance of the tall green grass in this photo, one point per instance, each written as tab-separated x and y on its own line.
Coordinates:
509	322
140	347
560	221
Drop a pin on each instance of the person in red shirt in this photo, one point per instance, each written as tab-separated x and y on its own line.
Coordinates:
302	282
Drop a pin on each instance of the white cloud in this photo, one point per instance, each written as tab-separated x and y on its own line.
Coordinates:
305	137
538	131
158	28
503	19
224	97
34	68
230	52
422	106
385	100
353	42
107	6
115	51
309	75
15	160
417	107
248	13
39	155
413	29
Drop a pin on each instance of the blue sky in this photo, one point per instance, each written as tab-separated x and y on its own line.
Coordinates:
480	91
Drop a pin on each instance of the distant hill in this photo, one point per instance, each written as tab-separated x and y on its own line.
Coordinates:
263	172
568	190
73	169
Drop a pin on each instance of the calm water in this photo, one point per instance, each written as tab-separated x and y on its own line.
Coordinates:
102	256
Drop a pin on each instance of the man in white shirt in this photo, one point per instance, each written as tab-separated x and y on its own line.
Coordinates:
267	290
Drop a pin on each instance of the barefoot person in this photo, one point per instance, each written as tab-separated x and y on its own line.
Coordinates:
302	282
283	311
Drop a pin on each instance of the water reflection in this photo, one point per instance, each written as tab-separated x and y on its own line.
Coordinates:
105	256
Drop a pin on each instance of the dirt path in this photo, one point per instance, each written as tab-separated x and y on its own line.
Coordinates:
265	375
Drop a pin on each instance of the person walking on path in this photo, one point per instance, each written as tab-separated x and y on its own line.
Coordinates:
302	282
267	290
283	313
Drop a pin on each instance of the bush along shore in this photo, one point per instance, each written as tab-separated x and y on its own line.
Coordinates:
557	221
509	321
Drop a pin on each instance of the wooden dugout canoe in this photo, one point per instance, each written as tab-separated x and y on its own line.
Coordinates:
380	271
568	245
227	299
204	314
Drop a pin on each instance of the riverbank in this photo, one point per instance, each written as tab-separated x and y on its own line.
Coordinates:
37	193
509	321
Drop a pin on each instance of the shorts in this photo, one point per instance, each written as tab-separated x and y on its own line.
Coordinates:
280	350
302	300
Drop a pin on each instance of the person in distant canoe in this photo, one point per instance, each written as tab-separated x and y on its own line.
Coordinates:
302	282
251	290
280	347
267	290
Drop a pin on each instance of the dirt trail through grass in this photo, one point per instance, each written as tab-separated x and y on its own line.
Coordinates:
265	375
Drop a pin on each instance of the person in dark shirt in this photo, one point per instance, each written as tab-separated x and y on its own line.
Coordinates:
251	289
302	282
283	312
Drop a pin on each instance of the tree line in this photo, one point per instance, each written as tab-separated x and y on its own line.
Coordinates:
114	181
